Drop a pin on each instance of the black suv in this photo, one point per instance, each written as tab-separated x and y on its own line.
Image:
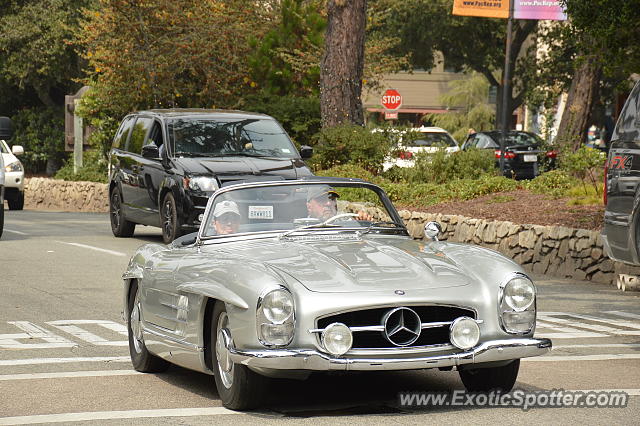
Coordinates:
164	164
621	231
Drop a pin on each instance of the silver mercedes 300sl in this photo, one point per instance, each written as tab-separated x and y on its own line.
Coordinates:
286	278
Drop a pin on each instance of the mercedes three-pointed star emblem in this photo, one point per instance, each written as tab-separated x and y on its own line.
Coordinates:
402	326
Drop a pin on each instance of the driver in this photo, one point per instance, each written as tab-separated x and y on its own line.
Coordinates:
322	203
226	217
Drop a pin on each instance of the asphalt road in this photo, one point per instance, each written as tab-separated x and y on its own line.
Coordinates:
64	355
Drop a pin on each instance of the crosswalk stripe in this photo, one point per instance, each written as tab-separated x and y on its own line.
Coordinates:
35	361
68	374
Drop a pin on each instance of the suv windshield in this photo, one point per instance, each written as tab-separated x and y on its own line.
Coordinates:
302	207
255	137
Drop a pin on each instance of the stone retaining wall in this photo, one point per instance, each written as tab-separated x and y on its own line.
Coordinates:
551	250
60	195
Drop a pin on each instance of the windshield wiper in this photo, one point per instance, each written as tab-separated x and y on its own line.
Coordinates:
382	223
250	154
197	154
317	225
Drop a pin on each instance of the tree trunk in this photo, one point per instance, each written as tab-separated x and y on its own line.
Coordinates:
342	64
573	127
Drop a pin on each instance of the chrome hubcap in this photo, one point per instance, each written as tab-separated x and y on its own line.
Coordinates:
225	365
168	218
136	326
115	210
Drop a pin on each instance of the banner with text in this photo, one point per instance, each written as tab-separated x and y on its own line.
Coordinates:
483	8
539	9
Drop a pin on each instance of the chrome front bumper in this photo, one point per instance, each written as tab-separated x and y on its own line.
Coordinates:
308	359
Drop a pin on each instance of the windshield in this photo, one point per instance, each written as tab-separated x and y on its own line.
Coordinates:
433	140
304	207
3	147
516	138
254	137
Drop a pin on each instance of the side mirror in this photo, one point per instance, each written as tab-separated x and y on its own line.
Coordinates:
306	151
17	150
150	151
432	230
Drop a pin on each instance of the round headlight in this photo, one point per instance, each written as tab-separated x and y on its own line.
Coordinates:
519	294
464	333
337	339
277	306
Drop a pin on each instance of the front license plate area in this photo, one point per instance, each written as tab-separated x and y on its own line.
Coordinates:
530	158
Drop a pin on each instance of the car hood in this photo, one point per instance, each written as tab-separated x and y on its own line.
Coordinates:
9	158
366	264
289	168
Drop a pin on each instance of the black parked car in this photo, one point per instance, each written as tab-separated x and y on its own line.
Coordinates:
621	231
164	164
522	154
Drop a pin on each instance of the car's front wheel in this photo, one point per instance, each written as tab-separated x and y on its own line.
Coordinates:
494	378
141	359
120	226
17	201
239	388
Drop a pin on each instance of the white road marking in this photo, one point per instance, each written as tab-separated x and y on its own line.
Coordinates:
71	327
34	361
68	374
15	232
624	314
111	415
115	253
32	331
551	317
599	345
599	357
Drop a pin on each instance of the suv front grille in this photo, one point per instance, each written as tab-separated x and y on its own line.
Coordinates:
374	317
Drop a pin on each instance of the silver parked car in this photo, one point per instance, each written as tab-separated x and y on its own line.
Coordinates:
286	278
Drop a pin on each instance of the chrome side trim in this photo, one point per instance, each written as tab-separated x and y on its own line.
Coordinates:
172	339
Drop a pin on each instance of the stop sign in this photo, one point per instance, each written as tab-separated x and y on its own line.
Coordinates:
391	99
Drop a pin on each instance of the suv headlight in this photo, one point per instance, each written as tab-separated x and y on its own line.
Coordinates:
275	318
201	183
517	305
16	166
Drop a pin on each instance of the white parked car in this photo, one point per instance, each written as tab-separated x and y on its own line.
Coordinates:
13	175
429	139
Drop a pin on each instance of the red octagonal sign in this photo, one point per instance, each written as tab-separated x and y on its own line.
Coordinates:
391	99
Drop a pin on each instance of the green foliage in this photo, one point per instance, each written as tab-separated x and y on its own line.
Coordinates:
350	144
586	164
554	183
348	171
442	167
41	132
162	53
470	96
286	60
300	116
35	52
94	168
499	199
585	196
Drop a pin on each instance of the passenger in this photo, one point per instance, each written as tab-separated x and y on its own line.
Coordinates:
226	217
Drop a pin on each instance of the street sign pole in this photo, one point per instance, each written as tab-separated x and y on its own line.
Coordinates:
506	84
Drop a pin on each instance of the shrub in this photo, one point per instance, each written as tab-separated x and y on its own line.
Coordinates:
348	171
41	132
586	164
441	167
350	144
94	169
554	183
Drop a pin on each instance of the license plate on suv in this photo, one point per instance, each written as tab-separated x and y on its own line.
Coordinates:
530	158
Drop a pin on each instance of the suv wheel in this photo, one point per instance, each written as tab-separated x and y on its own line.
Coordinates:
17	201
169	219
120	226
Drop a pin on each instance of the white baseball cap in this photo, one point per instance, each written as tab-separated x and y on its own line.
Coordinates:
225	207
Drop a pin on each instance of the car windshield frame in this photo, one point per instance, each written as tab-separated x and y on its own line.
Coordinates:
447	140
335	183
231	136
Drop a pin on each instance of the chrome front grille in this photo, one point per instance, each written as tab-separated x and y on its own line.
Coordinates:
367	325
